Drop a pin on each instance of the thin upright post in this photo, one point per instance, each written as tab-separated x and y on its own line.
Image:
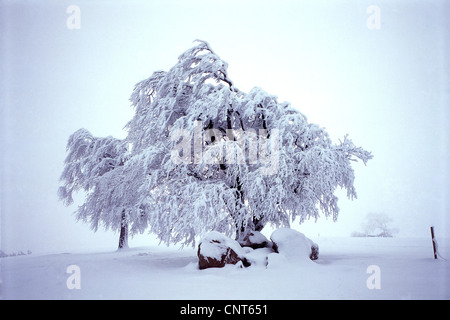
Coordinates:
434	243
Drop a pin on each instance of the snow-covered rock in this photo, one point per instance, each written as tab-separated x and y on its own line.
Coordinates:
255	240
294	245
287	245
314	250
258	257
216	250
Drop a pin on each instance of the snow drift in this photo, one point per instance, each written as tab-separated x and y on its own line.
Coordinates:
407	271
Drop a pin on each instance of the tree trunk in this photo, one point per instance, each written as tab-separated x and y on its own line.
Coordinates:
254	224
123	238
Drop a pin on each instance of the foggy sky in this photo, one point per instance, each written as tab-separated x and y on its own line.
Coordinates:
388	88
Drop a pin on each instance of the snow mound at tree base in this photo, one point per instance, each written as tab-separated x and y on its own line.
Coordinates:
294	246
255	240
288	246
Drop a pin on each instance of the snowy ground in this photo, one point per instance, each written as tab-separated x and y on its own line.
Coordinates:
407	270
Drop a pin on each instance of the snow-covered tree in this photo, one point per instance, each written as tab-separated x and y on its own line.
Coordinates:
212	157
97	166
202	155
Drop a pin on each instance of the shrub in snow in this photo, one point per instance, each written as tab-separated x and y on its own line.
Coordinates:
20	253
294	245
215	250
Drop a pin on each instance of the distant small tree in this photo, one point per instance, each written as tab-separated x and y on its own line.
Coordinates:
377	225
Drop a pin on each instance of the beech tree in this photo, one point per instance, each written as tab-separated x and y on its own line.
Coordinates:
202	155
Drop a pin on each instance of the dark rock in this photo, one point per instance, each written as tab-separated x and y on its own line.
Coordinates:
314	250
255	240
216	250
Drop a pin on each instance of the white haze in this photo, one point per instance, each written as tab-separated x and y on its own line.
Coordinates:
387	88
